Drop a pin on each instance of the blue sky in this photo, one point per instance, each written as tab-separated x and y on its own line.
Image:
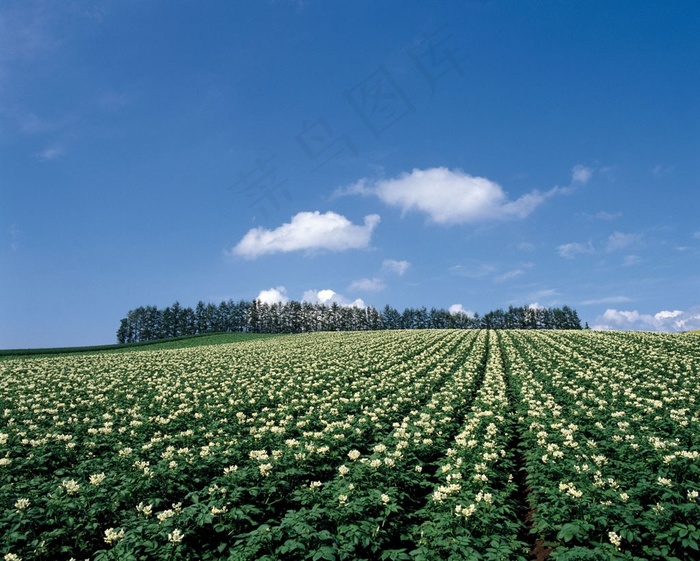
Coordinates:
469	155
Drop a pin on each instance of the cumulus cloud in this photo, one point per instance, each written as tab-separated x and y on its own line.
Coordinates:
377	283
329	297
394	266
455	309
367	285
581	174
617	241
665	320
273	295
451	197
571	250
308	231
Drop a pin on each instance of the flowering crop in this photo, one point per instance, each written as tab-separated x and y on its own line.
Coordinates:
393	445
611	441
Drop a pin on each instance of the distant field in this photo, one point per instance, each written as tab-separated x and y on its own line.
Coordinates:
422	445
172	343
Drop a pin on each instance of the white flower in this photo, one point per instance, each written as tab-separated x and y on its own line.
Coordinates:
438	496
175	536
163	516
113	536
22	504
12	557
385	498
615	539
354	454
343	470
71	486
664	482
97	478
342	499
465	512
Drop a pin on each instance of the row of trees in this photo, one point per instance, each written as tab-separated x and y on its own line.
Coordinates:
149	323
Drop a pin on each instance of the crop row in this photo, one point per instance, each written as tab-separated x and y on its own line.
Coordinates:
417	445
611	442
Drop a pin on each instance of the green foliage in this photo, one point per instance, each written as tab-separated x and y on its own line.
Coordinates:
390	445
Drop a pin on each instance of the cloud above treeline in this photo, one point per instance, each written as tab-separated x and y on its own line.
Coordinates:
665	320
395	266
453	197
446	196
325	296
617	241
308	231
377	283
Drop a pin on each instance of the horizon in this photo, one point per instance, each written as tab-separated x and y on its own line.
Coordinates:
469	156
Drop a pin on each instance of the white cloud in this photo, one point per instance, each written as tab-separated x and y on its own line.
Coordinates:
26	35
662	170
526	246
451	197
455	309
630	260
604	215
394	266
273	295
581	174
696	235
571	250
367	285
51	153
618	240
361	187
329	297
606	300
474	271
665	320
665	314
513	273
308	231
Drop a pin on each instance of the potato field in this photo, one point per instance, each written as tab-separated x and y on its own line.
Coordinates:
417	445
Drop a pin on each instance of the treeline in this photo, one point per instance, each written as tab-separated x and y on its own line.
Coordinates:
149	323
